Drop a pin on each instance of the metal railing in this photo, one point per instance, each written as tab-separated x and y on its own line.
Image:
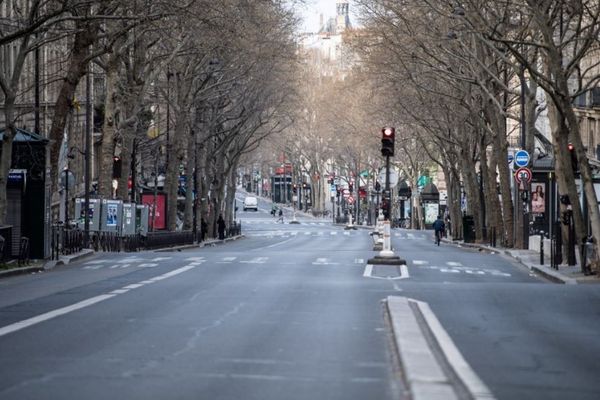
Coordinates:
64	240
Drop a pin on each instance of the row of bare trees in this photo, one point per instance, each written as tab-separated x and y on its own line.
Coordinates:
461	78
221	69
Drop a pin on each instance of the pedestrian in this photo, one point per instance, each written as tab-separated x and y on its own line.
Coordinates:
439	227
203	229
273	209
221	227
280	216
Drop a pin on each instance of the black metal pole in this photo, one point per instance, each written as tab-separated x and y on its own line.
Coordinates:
67	195
387	189
88	157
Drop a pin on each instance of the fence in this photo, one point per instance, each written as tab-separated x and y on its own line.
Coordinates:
70	240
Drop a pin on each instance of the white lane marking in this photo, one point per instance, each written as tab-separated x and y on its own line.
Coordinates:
368	271
273	245
53	314
95	262
93	267
256	260
346	233
226	260
195	259
359	260
474	384
130	260
333	233
498	273
451	270
454	264
420	262
148	265
118	266
307	233
324	261
85	303
133	286
160	259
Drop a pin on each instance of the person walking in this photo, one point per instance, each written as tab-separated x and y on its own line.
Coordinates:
280	216
203	229
439	227
221	227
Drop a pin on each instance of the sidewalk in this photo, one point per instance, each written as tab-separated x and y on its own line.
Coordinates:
570	275
36	266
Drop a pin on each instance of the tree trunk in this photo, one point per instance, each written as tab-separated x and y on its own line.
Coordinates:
6	155
107	152
188	214
85	36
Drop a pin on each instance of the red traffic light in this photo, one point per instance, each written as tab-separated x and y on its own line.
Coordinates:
570	147
388	135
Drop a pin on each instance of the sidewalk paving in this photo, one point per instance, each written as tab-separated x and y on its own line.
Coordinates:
566	274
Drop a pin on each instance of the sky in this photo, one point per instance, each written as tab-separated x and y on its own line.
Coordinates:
314	8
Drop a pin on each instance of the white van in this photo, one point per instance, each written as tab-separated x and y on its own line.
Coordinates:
250	203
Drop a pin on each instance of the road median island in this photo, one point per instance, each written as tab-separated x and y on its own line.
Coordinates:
433	367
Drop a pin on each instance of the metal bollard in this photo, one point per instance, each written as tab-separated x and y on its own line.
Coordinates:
541	247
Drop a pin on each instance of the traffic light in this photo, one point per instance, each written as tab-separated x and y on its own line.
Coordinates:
350	187
388	136
295	189
573	156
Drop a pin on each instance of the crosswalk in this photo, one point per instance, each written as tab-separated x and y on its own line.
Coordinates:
455	267
285	233
446	267
276	222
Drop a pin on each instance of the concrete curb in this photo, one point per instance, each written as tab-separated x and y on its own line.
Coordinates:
21	271
199	245
423	374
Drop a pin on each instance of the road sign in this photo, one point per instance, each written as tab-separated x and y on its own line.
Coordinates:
393	177
523	175
521	158
511	158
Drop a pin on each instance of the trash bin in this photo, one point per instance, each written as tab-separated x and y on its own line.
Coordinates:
468	229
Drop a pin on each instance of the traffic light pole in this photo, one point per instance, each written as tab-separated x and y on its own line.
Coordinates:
386	195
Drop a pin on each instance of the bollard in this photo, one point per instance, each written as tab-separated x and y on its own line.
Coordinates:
541	247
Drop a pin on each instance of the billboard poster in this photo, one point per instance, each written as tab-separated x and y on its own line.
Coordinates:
538	198
160	212
111	214
431	212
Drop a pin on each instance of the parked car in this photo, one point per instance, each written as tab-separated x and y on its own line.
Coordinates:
250	203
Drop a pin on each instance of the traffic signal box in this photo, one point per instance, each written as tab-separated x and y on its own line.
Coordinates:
573	156
388	136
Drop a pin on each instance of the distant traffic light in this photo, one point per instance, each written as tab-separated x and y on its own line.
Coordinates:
295	189
388	136
573	156
117	167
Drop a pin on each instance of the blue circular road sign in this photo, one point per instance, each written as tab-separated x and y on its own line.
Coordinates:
521	158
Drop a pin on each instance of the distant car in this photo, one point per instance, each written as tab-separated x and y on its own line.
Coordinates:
250	203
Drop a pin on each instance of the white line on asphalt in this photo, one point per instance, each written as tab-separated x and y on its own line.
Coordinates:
160	259
95	262
420	262
454	264
93	266
148	265
85	303
116	266
474	384
273	245
133	286
52	314
368	271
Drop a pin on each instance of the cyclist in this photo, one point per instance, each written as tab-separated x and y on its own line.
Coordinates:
439	227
